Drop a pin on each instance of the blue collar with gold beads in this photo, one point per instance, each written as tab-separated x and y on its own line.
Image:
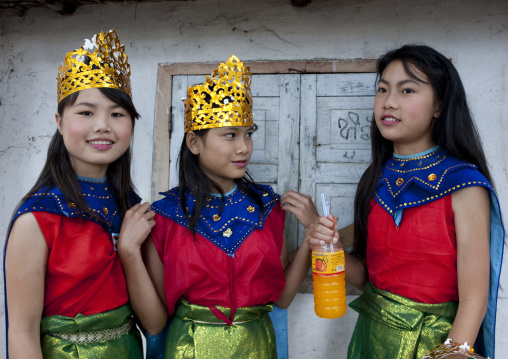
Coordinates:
227	230
98	195
423	178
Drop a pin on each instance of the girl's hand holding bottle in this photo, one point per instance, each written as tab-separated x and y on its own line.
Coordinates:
322	230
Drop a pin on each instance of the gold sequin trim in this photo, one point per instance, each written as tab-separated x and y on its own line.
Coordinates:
437	196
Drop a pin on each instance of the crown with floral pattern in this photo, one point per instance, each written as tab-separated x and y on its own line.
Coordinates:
100	62
221	101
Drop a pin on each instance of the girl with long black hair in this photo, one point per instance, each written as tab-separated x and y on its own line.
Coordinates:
65	288
428	230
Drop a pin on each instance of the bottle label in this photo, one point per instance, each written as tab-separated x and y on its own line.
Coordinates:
328	263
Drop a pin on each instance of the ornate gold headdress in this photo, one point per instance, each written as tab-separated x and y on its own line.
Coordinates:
101	62
221	101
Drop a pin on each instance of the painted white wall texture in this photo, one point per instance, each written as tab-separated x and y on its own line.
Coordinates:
474	34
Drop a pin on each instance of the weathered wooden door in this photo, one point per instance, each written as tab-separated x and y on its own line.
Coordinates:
336	110
313	136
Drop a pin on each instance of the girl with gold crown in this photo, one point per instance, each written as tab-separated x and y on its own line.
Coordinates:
429	235
217	255
66	291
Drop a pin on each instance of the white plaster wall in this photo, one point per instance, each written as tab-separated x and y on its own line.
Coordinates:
473	33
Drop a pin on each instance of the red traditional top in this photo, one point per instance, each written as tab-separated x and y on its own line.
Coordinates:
417	260
201	272
84	273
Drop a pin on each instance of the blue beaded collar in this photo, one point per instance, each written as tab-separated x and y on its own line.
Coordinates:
411	181
98	194
240	215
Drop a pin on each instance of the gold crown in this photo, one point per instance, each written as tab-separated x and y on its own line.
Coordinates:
101	62
221	101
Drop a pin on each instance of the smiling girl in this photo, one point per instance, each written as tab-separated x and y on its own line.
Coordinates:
217	255
66	291
426	218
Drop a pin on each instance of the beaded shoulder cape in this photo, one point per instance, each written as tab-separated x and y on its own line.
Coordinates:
227	229
412	182
406	183
99	196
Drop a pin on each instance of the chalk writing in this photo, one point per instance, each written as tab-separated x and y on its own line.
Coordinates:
352	128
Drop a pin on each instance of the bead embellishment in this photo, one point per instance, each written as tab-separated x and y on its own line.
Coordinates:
429	173
216	217
235	221
71	205
251	209
96	336
105	210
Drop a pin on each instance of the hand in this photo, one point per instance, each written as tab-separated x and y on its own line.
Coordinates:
137	224
323	229
301	206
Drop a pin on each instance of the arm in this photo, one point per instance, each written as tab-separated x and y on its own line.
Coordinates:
471	208
324	229
145	301
295	272
25	268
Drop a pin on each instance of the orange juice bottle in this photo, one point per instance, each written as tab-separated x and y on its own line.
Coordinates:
328	274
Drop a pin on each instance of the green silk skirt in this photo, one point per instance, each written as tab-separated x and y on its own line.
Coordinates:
391	326
195	332
127	346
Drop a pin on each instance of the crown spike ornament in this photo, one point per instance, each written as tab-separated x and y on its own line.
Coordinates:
221	101
100	62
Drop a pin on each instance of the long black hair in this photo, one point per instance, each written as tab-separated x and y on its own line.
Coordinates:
192	178
58	170
453	129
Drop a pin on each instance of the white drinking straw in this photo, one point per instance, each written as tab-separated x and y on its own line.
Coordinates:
326	211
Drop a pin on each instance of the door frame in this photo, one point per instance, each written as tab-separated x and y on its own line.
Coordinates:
163	103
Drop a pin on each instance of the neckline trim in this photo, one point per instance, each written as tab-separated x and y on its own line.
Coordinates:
424	153
90	179
225	194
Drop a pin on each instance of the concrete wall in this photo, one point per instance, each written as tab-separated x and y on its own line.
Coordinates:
474	34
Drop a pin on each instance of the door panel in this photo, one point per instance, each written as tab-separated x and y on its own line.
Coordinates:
335	151
313	136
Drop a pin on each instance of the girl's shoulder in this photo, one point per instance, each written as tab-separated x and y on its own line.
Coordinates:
45	199
171	199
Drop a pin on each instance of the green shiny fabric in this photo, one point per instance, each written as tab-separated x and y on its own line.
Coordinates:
391	326
188	337
128	346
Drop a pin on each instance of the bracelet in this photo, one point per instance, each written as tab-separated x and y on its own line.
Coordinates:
450	347
464	346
